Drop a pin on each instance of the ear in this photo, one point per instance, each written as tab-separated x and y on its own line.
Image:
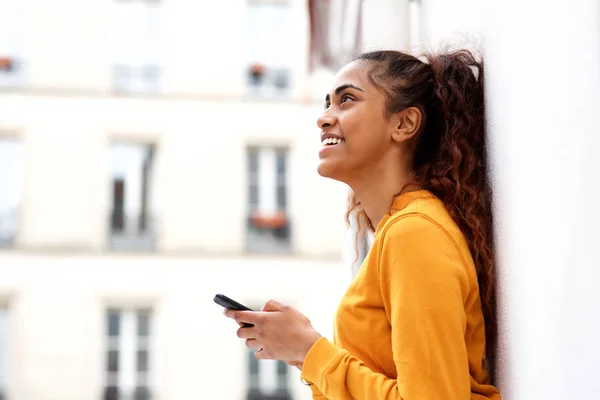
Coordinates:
408	123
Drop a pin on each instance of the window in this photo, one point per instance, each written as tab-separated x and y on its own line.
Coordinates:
128	367
132	219
267	379
268	219
11	43
4	346
137	30
269	47
11	186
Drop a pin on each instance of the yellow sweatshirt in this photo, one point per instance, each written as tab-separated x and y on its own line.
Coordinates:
410	325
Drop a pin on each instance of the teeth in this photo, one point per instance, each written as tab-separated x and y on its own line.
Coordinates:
331	140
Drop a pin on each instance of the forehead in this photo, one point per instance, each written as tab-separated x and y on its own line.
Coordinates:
355	73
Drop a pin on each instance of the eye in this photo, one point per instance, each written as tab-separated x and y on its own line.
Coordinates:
346	97
327	104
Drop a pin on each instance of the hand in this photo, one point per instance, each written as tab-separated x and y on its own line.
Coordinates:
280	332
296	364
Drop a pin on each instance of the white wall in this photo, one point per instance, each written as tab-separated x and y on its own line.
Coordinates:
457	22
544	97
385	24
57	319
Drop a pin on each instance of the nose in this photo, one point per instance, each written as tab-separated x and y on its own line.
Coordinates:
326	121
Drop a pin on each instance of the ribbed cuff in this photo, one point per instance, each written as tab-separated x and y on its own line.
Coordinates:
316	394
320	355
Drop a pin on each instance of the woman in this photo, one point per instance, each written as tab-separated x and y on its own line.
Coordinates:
408	137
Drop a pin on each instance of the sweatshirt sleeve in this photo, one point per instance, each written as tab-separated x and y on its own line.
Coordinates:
424	285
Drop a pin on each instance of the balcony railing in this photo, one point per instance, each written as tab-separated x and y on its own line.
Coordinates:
257	394
268	235
8	227
268	82
12	73
139	393
132	233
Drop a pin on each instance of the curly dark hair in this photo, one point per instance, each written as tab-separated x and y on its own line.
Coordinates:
450	158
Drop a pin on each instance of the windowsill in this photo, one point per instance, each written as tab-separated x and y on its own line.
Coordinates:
156	96
85	252
129	243
268	94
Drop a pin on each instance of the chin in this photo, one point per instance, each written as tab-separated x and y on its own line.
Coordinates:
327	170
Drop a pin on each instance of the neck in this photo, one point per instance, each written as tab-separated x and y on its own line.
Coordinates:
376	194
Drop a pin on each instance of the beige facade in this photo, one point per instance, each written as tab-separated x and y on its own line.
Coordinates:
137	155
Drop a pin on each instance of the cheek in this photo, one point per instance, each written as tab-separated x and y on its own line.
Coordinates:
364	136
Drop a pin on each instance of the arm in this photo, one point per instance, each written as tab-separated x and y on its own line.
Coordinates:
423	284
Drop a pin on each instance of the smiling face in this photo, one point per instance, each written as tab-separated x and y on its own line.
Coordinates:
357	135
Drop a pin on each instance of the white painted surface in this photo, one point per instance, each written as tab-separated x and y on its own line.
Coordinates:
456	23
385	24
544	96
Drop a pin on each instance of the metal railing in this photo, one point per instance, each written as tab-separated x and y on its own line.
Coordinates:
9	222
272	82
268	240
257	394
12	73
132	233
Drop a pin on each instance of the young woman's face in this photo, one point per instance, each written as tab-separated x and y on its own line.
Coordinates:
355	132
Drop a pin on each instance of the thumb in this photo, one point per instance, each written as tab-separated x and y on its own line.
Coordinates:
272	305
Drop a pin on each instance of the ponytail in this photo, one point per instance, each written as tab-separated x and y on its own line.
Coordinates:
457	171
450	158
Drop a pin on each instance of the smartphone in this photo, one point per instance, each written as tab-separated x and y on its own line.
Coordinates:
226	302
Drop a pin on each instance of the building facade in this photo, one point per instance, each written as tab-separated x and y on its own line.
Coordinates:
153	154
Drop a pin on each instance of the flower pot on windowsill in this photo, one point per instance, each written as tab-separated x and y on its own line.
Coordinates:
273	221
257	73
6	64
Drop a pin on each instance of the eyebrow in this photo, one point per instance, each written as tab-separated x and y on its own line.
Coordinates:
343	87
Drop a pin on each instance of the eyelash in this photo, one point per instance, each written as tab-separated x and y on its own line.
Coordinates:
343	98
346	96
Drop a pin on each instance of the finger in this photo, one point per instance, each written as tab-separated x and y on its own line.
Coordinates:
242	316
247	333
261	354
229	313
273	305
253	344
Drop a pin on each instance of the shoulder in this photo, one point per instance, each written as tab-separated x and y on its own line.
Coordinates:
426	215
417	231
424	218
422	244
418	250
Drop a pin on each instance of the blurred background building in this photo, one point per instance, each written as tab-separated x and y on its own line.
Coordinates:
152	154
156	152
